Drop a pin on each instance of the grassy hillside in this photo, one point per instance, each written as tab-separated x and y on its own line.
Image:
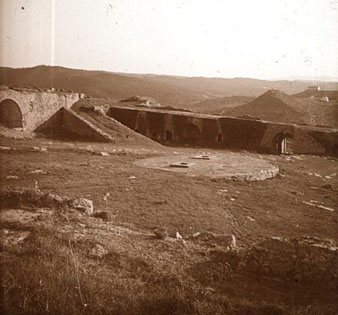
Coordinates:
168	90
220	104
275	105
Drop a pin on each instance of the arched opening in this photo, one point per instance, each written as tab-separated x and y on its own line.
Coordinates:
191	134
154	136
10	114
168	136
284	143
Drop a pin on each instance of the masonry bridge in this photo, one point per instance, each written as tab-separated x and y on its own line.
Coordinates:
29	108
227	132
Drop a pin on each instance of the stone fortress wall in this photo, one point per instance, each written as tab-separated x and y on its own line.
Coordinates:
226	132
29	108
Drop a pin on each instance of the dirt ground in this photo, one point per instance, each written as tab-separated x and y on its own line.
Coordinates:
148	198
302	200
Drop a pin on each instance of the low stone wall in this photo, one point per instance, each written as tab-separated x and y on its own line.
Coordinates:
306	259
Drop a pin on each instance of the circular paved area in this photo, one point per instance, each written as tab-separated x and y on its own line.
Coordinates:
238	166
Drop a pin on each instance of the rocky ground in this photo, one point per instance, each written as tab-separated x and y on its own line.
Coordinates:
86	230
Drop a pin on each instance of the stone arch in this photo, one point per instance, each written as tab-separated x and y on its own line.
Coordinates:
168	135
141	125
191	134
283	143
10	114
154	136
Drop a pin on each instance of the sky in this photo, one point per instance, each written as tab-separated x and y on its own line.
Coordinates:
266	39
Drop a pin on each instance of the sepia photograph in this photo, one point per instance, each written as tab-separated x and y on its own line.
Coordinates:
169	157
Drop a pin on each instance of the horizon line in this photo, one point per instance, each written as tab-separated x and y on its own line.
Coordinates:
325	79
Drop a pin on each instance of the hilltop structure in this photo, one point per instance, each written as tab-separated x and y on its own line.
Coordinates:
315	92
50	112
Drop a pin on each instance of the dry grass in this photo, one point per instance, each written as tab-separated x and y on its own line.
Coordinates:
53	275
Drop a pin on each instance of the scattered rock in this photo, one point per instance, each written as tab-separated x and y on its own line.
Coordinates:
12	177
314	188
106	195
13	238
161	233
38	149
201	157
328	186
53	201
38	172
23	217
318	204
102	153
181	164
309	203
104	215
295	192
84	205
178	236
98	251
227	240
3	148
325	208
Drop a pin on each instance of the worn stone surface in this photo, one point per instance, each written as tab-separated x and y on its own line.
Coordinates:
237	166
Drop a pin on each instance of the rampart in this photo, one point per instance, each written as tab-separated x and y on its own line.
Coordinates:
29	108
226	132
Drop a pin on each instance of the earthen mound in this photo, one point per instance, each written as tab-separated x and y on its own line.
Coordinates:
277	106
141	101
273	105
96	115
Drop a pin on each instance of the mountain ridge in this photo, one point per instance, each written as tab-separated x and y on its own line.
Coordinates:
168	90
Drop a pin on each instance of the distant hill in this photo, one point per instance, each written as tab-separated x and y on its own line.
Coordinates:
168	90
220	105
275	105
331	96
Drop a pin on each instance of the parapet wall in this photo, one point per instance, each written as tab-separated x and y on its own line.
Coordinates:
225	132
37	106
